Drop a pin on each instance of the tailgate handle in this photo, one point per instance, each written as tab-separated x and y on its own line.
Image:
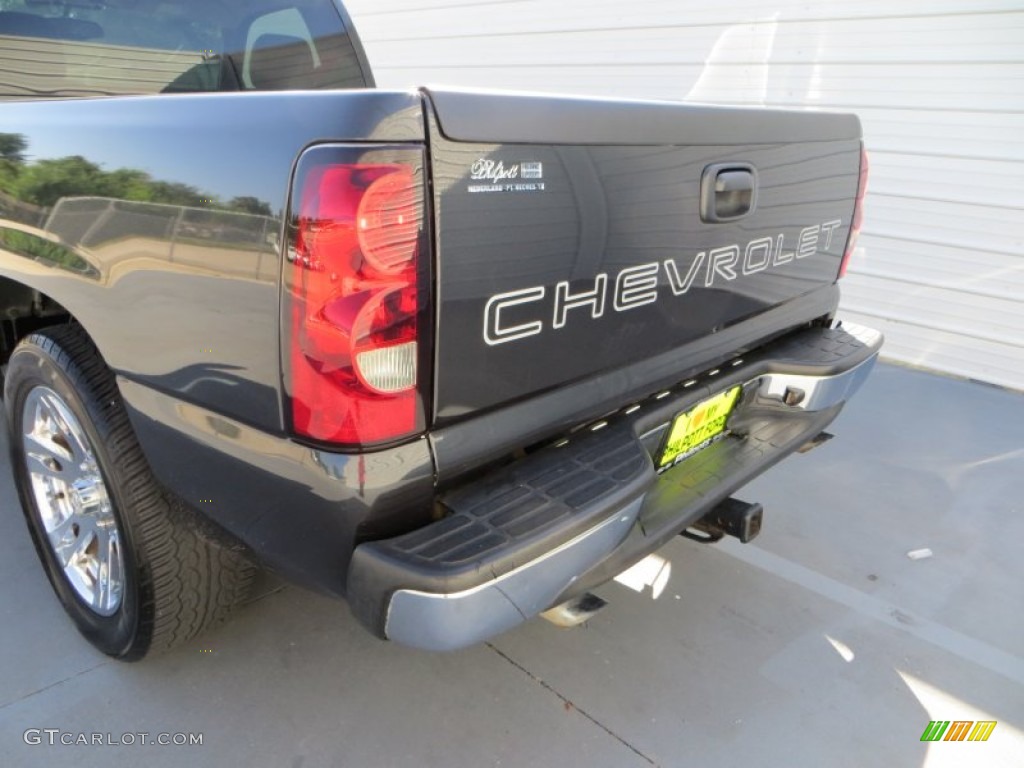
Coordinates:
728	191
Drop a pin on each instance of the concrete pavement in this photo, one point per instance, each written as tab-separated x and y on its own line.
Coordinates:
820	644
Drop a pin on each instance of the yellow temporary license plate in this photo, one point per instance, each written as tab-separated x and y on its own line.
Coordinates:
693	429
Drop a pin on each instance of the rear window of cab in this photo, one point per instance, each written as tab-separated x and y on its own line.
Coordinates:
76	48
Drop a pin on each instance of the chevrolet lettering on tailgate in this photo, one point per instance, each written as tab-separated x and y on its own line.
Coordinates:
637	286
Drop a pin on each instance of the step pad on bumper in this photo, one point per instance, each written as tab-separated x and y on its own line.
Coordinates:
514	515
517	509
824	351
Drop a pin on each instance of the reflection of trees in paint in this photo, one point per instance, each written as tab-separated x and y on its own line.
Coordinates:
33	246
12	158
12	147
44	182
248	204
53	211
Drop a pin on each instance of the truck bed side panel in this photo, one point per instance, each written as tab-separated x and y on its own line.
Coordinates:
182	296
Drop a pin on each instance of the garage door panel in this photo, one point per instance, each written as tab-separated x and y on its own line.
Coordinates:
980	272
994	362
910	40
955	311
968	227
986	183
440	18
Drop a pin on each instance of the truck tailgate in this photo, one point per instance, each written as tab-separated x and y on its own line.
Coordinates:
575	236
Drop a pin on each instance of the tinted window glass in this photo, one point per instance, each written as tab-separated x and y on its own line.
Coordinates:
54	48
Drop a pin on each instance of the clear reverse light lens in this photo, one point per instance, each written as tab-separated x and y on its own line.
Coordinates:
389	369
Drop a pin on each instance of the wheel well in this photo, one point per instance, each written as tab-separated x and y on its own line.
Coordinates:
24	310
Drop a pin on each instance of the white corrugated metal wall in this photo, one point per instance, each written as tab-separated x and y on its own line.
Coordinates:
939	86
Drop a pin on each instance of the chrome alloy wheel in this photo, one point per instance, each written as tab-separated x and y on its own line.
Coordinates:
74	506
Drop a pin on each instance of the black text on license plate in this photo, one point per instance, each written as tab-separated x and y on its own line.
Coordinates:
697	426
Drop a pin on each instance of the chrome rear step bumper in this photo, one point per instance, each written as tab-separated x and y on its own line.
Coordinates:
567	518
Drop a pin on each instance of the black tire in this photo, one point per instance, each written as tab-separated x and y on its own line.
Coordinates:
177	580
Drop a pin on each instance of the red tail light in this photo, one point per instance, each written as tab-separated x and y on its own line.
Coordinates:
858	212
354	296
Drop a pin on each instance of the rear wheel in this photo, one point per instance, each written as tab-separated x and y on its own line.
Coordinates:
131	566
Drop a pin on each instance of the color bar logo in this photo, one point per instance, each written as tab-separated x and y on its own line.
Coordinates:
958	730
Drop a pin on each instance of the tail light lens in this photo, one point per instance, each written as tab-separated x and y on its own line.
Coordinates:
355	292
858	212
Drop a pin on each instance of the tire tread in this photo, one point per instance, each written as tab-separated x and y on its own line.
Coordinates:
188	581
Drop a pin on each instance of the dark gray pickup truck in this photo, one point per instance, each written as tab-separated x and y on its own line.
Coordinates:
459	357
